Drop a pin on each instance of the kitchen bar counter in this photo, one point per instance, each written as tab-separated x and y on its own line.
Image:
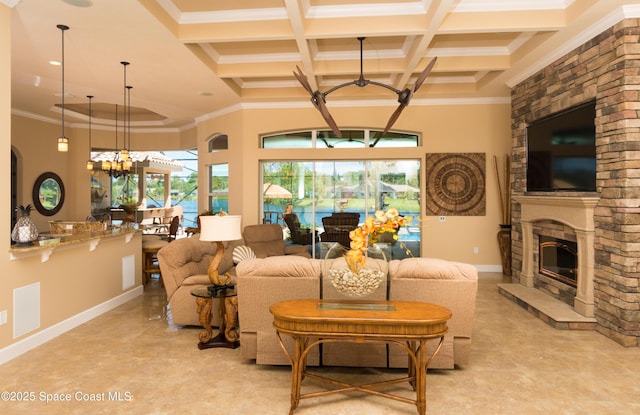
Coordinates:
47	244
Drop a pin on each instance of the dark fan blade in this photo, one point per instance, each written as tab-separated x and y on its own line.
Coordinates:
302	78
394	118
424	74
405	95
322	107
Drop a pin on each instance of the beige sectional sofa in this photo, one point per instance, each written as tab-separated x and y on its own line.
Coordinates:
262	282
267	279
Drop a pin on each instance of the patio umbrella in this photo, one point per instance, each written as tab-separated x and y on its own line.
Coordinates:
274	191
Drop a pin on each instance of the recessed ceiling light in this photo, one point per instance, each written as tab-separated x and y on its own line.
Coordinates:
55	63
79	3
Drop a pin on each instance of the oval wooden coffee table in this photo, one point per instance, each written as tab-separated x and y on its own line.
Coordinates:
406	324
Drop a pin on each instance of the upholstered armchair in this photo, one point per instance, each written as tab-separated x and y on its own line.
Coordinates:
299	235
267	240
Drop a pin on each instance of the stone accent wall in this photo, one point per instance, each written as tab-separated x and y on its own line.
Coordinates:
607	69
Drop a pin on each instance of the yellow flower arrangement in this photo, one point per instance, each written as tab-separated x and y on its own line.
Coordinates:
370	232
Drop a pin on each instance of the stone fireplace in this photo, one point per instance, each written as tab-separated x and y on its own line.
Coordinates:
605	68
576	213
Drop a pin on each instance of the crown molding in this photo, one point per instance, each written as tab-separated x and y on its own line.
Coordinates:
506	5
353	103
608	21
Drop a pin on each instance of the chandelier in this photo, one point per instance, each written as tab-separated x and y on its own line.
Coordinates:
121	164
118	166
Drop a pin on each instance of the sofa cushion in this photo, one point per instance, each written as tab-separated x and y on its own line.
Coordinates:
300	250
431	268
265	240
280	266
202	279
267	249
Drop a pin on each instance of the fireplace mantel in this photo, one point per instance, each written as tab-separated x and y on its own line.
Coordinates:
576	212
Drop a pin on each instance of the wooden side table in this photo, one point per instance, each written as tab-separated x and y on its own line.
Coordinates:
228	334
406	324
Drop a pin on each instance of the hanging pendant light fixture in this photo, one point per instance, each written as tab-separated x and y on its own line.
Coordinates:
129	161
124	153
63	141
117	167
121	164
90	161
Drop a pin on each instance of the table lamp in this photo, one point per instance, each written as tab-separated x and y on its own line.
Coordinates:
219	229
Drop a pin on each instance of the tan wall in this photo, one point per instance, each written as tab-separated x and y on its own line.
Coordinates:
5	180
482	128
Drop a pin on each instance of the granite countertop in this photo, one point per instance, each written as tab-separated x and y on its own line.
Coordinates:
47	240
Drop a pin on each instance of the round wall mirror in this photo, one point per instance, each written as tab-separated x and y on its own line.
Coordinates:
48	194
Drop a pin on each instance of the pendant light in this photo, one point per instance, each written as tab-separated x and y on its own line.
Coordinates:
129	161
90	161
116	168
124	154
63	141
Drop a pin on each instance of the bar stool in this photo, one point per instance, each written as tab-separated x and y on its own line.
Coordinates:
150	247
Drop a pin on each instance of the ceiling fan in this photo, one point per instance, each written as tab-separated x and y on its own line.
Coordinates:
318	98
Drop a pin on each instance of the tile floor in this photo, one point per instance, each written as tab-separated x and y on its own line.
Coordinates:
519	365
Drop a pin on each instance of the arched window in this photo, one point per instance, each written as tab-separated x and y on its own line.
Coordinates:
350	139
218	142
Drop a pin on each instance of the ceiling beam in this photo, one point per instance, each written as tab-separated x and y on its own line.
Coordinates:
436	14
297	24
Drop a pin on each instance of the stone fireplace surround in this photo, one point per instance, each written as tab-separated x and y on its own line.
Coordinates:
575	212
605	68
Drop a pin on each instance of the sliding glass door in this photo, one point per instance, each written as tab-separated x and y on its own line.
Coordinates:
314	190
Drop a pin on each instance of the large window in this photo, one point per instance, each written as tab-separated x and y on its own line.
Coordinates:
316	189
219	187
184	185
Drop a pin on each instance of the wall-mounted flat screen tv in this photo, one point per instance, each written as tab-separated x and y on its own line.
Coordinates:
561	151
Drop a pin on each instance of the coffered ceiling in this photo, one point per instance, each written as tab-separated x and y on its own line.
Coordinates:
198	58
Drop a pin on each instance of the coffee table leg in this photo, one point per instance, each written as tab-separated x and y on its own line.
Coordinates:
297	366
411	367
421	375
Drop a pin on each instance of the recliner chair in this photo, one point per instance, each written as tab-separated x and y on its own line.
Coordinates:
299	235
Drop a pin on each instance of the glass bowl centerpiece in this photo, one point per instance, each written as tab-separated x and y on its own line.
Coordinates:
360	270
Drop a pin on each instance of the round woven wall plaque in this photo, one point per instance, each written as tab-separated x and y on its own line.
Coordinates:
456	184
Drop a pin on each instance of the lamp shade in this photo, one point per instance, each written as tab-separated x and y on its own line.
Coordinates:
220	228
63	144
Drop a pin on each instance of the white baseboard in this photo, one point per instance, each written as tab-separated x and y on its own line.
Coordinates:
16	349
489	268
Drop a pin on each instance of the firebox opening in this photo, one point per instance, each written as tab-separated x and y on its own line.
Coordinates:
559	259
